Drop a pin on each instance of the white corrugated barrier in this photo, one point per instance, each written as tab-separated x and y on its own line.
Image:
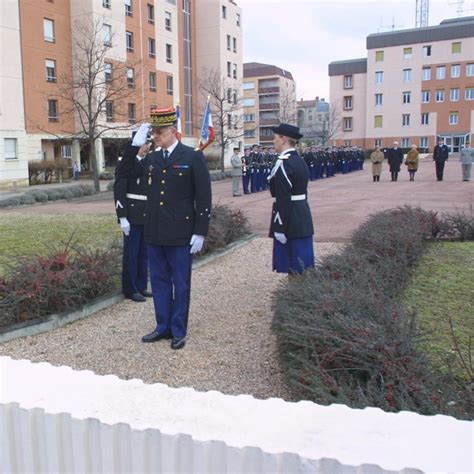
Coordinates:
55	419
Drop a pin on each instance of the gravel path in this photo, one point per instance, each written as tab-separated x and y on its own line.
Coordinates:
230	346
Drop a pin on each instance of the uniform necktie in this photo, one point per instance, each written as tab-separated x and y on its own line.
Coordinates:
166	153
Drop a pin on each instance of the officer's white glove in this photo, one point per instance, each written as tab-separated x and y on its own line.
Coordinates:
125	225
140	137
196	243
281	238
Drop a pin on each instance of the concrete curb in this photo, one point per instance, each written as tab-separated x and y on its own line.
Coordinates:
55	321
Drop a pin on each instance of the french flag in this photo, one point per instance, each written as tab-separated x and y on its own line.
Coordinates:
208	135
178	122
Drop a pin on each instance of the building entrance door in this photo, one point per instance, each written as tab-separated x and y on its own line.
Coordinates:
454	142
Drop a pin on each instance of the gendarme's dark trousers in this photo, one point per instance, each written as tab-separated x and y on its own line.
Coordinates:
134	261
439	170
170	275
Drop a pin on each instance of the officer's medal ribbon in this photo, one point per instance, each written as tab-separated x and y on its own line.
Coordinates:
150	169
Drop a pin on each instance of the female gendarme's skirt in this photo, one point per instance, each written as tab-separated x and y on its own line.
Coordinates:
294	256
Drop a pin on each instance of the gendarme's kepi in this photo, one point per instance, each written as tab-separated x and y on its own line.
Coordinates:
288	130
160	118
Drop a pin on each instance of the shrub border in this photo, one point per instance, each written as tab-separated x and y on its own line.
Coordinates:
56	321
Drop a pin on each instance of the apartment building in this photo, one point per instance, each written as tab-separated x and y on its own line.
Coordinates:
414	86
148	46
219	54
269	98
313	120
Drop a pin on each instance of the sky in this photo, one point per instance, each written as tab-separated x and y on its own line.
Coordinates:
304	36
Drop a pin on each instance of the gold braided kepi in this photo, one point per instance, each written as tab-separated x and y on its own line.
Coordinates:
160	118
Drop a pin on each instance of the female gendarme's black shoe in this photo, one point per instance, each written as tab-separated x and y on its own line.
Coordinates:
146	293
154	336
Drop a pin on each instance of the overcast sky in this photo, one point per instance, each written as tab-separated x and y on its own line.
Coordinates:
304	36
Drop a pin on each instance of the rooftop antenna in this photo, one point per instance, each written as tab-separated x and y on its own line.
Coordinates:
460	10
422	13
392	26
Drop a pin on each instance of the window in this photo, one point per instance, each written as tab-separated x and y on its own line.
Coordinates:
378	99
378	142
129	41
405	120
469	93
234	44
106	3
440	95
48	30
10	148
50	70
407	97
407	75
128	7
425	119
249	85
229	69
405	142
348	82
130	77
440	72
66	151
167	21
249	133
378	121
423	142
234	96
426	74
347	103
237	19
109	111
379	77
151	13
454	94
151	48
347	123
169	53
224	12
53	115
107	35
249	102
234	71
108	72
249	118
425	97
378	56
407	53
456	47
152	81
426	51
229	121
229	95
228	42
455	70
347	142
470	69
132	113
453	118
169	85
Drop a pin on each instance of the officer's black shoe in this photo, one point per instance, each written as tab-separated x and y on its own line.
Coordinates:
146	293
136	297
154	336
178	343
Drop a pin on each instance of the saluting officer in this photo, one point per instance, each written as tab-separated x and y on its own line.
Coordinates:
177	220
130	200
292	225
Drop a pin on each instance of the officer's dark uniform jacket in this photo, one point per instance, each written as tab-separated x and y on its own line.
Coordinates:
130	189
179	196
440	153
289	186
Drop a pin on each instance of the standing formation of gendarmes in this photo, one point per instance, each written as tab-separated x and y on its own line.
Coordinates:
258	161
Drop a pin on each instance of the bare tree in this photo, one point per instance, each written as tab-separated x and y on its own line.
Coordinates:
226	108
95	92
330	125
287	112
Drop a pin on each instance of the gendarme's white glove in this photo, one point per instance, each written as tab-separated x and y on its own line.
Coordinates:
125	225
281	238
140	137
196	243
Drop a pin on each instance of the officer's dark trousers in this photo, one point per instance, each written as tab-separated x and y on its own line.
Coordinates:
439	170
245	183
134	262
253	181
170	275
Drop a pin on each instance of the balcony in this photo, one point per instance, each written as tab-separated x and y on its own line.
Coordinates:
268	122
273	106
269	90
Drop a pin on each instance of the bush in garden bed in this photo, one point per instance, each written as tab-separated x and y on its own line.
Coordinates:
344	337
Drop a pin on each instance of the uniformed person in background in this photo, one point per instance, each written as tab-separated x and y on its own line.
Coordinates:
130	200
291	225
246	171
236	172
177	220
254	166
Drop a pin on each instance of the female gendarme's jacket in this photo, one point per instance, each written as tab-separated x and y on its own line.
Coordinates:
289	186
412	160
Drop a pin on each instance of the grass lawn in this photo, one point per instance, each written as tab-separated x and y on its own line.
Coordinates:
30	234
442	288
